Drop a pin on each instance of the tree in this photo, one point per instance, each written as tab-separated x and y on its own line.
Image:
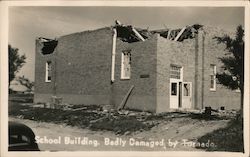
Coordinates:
233	63
26	83
16	61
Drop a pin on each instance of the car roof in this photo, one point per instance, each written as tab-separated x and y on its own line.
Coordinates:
19	128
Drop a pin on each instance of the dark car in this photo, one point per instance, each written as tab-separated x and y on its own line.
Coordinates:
21	138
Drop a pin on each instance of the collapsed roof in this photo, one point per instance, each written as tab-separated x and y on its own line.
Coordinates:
128	33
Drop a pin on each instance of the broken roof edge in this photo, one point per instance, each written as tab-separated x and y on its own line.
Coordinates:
43	39
47	45
134	34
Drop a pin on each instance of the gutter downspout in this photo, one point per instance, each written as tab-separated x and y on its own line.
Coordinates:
203	66
196	72
55	62
112	96
113	56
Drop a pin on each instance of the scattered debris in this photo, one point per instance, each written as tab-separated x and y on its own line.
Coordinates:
122	125
122	122
39	105
77	109
123	112
107	108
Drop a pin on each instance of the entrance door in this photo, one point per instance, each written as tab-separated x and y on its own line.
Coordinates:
175	86
186	95
174	94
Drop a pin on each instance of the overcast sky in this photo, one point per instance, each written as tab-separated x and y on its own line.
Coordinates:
27	23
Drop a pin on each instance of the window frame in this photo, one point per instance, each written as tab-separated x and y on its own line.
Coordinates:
214	77
179	72
123	77
47	71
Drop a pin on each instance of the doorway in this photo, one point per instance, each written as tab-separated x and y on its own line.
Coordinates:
180	92
174	94
186	95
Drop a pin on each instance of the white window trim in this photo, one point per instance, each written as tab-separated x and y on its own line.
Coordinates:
122	69
214	78
181	77
46	72
181	72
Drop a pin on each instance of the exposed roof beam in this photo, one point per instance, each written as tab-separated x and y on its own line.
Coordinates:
169	32
137	34
180	33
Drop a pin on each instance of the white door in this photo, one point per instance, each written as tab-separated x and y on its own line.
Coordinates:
174	94
186	95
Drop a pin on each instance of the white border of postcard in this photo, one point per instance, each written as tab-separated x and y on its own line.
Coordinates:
4	75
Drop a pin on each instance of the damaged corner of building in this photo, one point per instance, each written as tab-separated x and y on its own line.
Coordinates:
47	45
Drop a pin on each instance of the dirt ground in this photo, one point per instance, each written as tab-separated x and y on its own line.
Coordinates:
176	134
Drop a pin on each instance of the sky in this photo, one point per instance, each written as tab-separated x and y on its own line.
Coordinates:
28	23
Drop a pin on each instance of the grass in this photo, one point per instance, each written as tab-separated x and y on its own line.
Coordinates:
226	139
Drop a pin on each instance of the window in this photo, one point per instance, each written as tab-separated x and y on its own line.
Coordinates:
126	65
19	140
175	72
173	88
212	77
186	89
48	72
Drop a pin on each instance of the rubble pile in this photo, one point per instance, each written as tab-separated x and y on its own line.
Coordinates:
99	117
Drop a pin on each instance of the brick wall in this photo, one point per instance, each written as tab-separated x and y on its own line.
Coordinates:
143	62
41	87
188	54
213	51
178	53
81	67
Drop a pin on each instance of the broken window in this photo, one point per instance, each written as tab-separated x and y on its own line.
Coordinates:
175	72
212	77
48	71
126	65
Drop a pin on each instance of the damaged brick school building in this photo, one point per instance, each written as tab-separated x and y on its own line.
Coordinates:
127	67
